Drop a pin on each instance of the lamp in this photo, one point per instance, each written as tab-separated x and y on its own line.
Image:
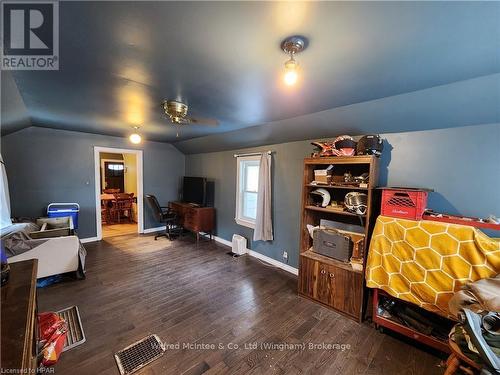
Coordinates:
291	46
135	137
291	71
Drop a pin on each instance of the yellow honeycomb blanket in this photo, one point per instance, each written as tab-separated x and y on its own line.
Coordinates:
425	262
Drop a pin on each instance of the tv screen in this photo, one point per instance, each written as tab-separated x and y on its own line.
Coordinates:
194	190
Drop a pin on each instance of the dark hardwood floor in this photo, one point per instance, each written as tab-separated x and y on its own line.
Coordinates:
197	295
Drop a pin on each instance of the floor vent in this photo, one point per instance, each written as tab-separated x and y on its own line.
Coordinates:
139	354
75	335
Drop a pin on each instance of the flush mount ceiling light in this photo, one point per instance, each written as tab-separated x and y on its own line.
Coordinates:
291	46
135	137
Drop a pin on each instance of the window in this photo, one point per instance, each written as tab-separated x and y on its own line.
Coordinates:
247	187
115	167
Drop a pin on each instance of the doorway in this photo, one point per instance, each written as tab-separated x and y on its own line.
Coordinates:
119	191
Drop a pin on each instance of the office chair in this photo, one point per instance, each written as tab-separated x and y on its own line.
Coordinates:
166	216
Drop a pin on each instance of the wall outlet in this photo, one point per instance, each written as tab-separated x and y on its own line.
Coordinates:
285	255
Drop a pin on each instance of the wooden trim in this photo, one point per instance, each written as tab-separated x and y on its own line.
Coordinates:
326	260
341	160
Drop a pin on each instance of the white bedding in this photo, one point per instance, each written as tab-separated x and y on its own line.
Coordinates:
55	256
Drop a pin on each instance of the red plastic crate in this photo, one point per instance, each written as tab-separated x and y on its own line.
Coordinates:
404	203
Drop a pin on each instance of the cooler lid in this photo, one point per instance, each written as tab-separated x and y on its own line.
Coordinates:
63	207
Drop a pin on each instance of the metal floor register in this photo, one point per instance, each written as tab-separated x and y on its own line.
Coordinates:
75	335
139	354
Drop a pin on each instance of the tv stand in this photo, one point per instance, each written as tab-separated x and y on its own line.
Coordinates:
194	218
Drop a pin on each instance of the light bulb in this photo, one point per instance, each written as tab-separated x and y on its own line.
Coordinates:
135	138
291	77
291	74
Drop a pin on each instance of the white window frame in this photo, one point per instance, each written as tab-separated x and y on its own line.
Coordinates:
239	218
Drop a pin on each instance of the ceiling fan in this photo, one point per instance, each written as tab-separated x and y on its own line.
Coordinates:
177	112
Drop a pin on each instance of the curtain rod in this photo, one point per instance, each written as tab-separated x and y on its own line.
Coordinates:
253	153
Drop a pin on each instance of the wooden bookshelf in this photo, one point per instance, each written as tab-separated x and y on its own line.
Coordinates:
346	187
325	280
332	211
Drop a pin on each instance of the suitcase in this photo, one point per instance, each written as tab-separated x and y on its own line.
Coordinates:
331	243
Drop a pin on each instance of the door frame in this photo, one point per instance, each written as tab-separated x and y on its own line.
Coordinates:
97	185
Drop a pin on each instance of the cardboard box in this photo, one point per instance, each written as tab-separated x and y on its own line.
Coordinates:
323	176
53	227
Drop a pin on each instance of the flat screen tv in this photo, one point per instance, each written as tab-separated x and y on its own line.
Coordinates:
194	190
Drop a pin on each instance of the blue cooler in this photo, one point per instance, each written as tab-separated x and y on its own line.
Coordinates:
64	210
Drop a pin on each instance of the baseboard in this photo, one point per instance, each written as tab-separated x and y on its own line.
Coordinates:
262	257
274	262
222	241
89	239
152	230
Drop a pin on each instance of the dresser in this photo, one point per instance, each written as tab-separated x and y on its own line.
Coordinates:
19	323
195	219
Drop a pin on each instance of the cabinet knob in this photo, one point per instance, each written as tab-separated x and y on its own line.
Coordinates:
332	275
323	272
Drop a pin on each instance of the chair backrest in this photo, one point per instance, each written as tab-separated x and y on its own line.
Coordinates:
111	191
155	206
122	204
124	196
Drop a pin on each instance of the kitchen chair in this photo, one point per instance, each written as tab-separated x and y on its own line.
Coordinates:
122	204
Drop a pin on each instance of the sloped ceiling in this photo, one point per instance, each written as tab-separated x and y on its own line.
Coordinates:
470	102
120	59
14	114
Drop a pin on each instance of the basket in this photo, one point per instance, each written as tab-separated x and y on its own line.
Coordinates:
404	203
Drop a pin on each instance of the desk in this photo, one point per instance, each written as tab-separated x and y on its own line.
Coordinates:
195	219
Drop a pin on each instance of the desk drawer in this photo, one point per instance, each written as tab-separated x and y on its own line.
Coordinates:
190	219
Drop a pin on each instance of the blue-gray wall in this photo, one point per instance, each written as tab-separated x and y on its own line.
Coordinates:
47	165
461	164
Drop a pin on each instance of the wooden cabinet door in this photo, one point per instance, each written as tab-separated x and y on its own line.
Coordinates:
315	281
308	275
348	286
326	289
